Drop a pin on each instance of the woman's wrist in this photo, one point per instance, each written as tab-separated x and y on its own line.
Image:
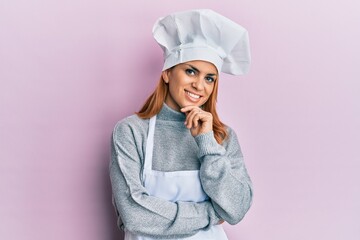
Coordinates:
208	145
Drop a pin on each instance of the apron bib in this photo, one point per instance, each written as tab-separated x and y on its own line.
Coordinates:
174	186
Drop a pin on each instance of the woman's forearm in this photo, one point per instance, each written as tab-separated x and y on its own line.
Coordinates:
224	176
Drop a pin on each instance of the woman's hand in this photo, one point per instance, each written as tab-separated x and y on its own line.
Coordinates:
197	120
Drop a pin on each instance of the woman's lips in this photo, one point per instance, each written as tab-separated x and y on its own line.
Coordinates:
193	97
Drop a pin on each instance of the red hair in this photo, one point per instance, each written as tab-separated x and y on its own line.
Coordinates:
155	101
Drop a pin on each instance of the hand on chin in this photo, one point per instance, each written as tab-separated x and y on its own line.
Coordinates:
197	120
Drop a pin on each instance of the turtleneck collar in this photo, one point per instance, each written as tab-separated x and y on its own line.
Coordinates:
168	114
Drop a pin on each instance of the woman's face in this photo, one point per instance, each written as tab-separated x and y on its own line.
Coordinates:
190	84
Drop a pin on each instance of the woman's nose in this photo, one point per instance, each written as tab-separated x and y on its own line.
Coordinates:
198	84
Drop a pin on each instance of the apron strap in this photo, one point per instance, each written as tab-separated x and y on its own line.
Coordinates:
150	144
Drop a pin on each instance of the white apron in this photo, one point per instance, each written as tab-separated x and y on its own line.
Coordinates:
174	186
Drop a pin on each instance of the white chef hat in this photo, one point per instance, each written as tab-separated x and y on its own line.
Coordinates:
203	34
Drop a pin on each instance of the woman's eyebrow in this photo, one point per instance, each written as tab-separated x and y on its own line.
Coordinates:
193	68
197	70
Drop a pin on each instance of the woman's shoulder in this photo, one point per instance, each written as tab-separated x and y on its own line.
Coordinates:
232	137
131	124
231	132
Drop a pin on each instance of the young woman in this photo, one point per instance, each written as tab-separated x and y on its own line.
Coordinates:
177	171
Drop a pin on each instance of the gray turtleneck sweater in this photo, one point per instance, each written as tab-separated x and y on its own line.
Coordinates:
223	177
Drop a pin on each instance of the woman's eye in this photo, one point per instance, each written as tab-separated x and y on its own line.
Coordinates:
210	79
190	71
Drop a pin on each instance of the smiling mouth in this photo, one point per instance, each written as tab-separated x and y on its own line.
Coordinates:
192	95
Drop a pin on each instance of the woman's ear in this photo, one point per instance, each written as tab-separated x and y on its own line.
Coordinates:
165	76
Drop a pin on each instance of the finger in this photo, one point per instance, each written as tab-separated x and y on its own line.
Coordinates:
189	119
187	111
193	118
197	117
188	108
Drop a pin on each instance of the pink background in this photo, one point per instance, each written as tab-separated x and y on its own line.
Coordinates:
69	70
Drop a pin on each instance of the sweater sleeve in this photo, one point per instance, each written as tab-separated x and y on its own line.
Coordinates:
224	176
141	213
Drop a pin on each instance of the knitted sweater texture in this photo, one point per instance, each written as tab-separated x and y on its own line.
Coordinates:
223	176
